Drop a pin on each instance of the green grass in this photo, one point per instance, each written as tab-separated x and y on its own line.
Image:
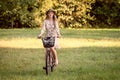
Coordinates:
84	62
69	33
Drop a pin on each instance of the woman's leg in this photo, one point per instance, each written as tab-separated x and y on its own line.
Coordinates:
54	54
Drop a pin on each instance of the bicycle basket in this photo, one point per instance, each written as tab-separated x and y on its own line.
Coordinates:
48	42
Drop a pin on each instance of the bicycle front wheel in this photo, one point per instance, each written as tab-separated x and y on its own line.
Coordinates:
48	66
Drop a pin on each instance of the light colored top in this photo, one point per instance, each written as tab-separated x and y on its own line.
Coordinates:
52	29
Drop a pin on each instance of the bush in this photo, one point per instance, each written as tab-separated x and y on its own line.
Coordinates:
106	13
71	13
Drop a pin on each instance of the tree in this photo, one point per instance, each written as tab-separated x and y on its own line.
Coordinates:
71	13
106	13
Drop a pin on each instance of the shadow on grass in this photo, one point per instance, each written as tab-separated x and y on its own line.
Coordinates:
39	72
16	61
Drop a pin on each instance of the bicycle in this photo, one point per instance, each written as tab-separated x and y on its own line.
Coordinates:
49	58
50	62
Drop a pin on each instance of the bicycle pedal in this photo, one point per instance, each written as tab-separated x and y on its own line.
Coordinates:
53	65
44	67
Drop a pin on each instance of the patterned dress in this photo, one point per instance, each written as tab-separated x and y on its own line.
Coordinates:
52	30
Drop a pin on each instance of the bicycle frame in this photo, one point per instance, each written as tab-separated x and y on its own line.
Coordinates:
49	63
49	60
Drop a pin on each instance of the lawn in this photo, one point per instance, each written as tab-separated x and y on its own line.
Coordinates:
86	54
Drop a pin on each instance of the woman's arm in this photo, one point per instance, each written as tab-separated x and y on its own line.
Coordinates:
42	29
57	30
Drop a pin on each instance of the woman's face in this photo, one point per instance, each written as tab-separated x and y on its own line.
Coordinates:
50	14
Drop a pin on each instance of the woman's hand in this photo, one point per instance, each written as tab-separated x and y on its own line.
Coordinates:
59	36
39	36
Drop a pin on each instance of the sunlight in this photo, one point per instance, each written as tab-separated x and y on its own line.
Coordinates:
64	43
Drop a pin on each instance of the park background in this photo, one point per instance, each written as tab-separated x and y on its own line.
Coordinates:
90	43
71	13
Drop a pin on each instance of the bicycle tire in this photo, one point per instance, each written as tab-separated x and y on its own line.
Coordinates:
48	67
53	64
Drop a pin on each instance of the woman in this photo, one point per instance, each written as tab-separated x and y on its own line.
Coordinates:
50	25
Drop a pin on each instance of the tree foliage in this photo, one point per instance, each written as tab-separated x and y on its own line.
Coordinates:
106	12
71	13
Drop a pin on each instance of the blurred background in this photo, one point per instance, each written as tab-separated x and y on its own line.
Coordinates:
71	13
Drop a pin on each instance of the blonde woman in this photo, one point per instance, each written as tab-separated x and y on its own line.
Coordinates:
50	25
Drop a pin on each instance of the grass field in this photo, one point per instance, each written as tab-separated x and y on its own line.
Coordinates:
86	54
